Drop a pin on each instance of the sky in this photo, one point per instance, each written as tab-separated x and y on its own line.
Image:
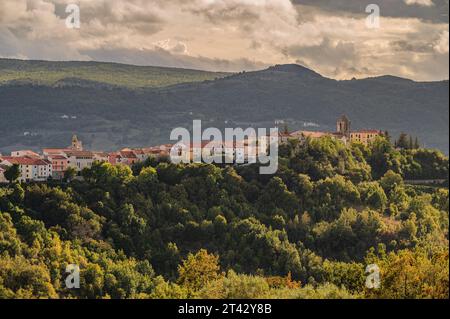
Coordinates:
332	37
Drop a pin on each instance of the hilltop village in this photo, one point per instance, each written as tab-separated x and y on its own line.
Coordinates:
52	163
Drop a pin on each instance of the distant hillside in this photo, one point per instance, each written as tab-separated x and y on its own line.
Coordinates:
50	73
108	117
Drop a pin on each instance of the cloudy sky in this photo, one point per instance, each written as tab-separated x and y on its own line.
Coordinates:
329	36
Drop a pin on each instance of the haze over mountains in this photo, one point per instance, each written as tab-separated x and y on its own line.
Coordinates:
112	105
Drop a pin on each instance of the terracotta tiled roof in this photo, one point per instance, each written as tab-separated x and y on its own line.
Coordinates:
79	153
312	134
114	155
26	153
101	154
153	151
56	150
367	132
128	154
57	157
25	160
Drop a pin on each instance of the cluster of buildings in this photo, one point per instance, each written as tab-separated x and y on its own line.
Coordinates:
343	133
53	162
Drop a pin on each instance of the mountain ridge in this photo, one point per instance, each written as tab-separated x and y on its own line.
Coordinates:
289	68
114	116
130	76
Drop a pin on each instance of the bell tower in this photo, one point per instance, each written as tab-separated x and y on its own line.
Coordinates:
76	144
343	125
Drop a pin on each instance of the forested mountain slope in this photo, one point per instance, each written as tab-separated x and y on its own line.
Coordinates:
107	111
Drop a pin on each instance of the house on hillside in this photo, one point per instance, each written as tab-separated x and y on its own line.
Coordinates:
343	133
128	157
140	154
364	136
25	153
100	156
31	169
80	159
60	163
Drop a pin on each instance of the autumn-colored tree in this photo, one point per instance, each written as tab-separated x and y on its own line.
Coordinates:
199	269
283	282
411	274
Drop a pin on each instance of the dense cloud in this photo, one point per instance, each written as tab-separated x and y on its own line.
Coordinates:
345	48
234	35
162	57
431	10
